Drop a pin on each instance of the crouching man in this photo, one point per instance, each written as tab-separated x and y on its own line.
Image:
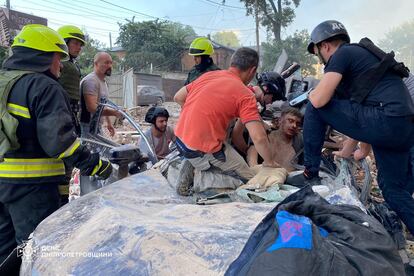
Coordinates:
209	104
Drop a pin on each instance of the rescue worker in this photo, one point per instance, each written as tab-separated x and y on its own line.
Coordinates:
222	96
29	175
270	88
201	49
381	116
71	74
160	134
70	79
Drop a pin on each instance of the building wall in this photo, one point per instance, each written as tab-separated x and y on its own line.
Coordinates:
170	87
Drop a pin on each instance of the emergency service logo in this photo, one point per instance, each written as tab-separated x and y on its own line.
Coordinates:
27	251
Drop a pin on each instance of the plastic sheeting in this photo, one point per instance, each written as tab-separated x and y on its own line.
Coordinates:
140	226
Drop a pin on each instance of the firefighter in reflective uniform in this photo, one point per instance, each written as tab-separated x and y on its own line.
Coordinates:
70	76
201	49
29	176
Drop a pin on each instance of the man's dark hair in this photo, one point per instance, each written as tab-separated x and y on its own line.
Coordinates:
292	111
244	59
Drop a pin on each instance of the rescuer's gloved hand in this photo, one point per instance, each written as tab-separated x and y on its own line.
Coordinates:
103	170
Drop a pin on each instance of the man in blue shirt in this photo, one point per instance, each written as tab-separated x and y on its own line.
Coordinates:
382	118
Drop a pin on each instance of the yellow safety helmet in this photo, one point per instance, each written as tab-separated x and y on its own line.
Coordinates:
201	46
70	31
42	38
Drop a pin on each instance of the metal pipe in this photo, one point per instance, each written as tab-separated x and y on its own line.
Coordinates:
133	123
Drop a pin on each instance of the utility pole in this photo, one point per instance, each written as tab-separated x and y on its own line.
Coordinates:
110	41
256	15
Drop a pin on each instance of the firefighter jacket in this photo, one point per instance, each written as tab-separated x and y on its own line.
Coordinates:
45	133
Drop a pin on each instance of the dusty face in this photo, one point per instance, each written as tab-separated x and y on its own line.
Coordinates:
103	65
75	47
290	124
56	65
161	124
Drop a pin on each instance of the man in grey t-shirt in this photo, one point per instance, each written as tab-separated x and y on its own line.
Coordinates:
93	88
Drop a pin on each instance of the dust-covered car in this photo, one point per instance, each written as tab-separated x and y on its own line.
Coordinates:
147	94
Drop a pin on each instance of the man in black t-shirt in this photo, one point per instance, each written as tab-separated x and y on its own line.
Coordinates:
384	118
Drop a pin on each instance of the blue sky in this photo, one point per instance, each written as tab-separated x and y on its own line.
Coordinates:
372	18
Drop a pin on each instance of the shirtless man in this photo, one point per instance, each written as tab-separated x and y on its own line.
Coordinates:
285	142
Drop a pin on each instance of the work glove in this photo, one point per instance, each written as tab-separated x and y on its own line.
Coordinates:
103	170
265	178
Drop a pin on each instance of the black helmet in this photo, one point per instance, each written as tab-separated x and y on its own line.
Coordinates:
325	30
275	85
155	112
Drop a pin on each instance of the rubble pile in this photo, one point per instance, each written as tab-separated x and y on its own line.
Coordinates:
126	134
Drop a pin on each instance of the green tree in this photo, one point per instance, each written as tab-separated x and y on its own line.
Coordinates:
295	46
89	50
400	40
156	42
227	38
272	14
3	54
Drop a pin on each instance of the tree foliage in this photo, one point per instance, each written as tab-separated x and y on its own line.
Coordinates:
227	38
3	54
273	14
89	50
156	42
295	46
401	40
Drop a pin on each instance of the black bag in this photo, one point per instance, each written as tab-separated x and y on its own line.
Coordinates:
368	80
305	235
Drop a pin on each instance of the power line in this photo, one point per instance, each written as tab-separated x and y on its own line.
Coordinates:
127	9
154	17
70	7
64	12
224	5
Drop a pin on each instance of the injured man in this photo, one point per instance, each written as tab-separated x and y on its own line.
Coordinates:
286	147
286	143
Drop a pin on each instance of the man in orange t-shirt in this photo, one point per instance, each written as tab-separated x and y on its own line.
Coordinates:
209	105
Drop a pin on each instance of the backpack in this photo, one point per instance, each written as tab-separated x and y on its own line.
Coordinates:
8	124
367	80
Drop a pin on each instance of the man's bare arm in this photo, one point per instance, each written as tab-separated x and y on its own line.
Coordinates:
252	156
325	90
237	137
261	142
181	96
91	102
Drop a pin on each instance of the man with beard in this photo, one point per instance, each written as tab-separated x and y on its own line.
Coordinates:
93	89
160	134
285	142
